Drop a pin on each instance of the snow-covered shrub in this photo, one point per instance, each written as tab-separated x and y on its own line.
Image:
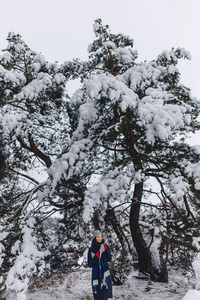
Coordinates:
28	261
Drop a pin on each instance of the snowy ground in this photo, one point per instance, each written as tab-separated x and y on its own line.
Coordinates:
76	285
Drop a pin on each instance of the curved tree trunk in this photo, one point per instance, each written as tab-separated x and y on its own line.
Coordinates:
156	270
144	258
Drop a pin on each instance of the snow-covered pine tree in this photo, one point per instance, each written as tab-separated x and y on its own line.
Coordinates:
138	116
35	129
125	125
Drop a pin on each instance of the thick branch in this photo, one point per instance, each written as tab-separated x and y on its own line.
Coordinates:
39	153
34	149
113	63
188	208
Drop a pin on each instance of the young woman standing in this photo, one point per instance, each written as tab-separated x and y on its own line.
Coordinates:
98	257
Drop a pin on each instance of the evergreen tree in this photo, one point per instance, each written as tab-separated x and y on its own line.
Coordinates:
127	123
138	117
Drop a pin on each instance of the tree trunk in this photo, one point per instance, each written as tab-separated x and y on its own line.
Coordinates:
146	265
144	258
111	218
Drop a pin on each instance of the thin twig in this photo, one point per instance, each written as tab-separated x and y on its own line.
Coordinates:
24	175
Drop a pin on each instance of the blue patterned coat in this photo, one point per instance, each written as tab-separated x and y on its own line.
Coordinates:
101	276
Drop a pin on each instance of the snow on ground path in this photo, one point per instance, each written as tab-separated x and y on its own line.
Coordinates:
192	295
77	285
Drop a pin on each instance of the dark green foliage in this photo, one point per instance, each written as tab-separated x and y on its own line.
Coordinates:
111	52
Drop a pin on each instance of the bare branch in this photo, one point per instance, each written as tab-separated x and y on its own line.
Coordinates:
24	175
188	208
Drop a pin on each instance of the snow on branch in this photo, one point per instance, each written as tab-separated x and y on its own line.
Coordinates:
29	260
113	187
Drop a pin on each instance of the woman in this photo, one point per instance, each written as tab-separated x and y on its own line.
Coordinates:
98	257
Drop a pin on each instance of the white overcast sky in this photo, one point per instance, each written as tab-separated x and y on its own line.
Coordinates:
62	29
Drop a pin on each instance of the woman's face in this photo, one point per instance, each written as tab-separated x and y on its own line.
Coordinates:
99	238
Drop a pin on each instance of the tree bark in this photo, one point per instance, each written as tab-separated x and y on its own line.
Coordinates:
34	149
111	218
144	258
146	265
